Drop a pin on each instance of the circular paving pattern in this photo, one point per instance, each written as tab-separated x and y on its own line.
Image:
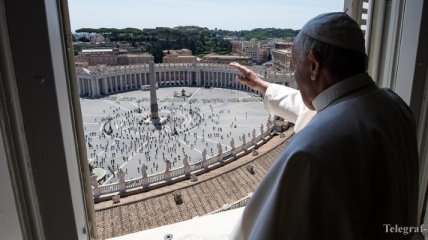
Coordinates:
119	137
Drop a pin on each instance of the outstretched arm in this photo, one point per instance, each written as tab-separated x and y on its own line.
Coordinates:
250	78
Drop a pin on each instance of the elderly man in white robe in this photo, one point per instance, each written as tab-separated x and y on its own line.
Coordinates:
351	170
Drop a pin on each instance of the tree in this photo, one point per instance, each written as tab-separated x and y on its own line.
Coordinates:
83	39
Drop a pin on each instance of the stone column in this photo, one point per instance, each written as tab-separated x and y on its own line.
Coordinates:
174	78
105	86
141	79
97	87
137	80
198	76
113	84
111	81
147	78
128	81
91	87
228	78
88	86
119	82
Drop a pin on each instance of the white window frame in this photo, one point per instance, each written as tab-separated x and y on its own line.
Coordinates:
394	42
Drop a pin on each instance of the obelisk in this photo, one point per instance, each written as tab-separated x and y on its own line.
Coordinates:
153	97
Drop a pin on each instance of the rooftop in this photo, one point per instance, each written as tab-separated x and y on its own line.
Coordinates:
212	191
213	55
96	50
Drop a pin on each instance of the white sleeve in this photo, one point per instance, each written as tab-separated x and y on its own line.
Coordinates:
287	103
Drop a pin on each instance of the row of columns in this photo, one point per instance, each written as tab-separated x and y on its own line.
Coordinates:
95	86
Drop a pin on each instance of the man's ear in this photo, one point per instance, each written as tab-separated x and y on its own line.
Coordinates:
314	65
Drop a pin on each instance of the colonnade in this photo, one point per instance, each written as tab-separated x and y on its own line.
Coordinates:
103	81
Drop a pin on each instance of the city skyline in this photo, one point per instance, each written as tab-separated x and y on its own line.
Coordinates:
221	14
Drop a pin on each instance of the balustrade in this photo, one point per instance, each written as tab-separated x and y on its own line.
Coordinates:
180	172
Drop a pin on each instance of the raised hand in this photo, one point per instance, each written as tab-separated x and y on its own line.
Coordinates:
250	78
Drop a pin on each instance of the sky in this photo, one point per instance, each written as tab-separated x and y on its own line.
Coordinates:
220	14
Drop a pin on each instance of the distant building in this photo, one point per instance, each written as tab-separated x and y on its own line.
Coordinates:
226	59
78	46
258	51
178	56
112	57
283	45
262	55
282	58
180	52
97	56
237	47
273	75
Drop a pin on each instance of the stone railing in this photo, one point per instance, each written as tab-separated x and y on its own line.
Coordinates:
238	204
123	186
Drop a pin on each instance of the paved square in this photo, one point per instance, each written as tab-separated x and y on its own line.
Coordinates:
116	136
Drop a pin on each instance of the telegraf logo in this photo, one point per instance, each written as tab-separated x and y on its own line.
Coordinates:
405	230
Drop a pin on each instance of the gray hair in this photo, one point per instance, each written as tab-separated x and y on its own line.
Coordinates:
340	61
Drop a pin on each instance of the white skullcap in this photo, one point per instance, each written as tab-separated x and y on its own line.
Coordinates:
337	29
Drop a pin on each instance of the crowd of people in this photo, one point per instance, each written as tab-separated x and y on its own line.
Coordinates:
128	141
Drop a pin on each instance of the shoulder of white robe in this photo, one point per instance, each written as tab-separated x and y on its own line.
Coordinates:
303	119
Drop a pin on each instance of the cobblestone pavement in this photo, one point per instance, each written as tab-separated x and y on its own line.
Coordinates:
221	186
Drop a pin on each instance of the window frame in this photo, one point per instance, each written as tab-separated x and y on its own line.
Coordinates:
51	77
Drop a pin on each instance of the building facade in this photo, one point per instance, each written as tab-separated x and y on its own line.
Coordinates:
281	58
178	56
258	51
111	57
226	59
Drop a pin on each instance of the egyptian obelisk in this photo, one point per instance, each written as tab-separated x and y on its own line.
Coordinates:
153	98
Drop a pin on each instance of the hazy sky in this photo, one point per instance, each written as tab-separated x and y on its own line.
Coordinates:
221	14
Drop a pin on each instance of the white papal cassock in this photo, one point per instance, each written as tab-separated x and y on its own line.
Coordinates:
351	168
